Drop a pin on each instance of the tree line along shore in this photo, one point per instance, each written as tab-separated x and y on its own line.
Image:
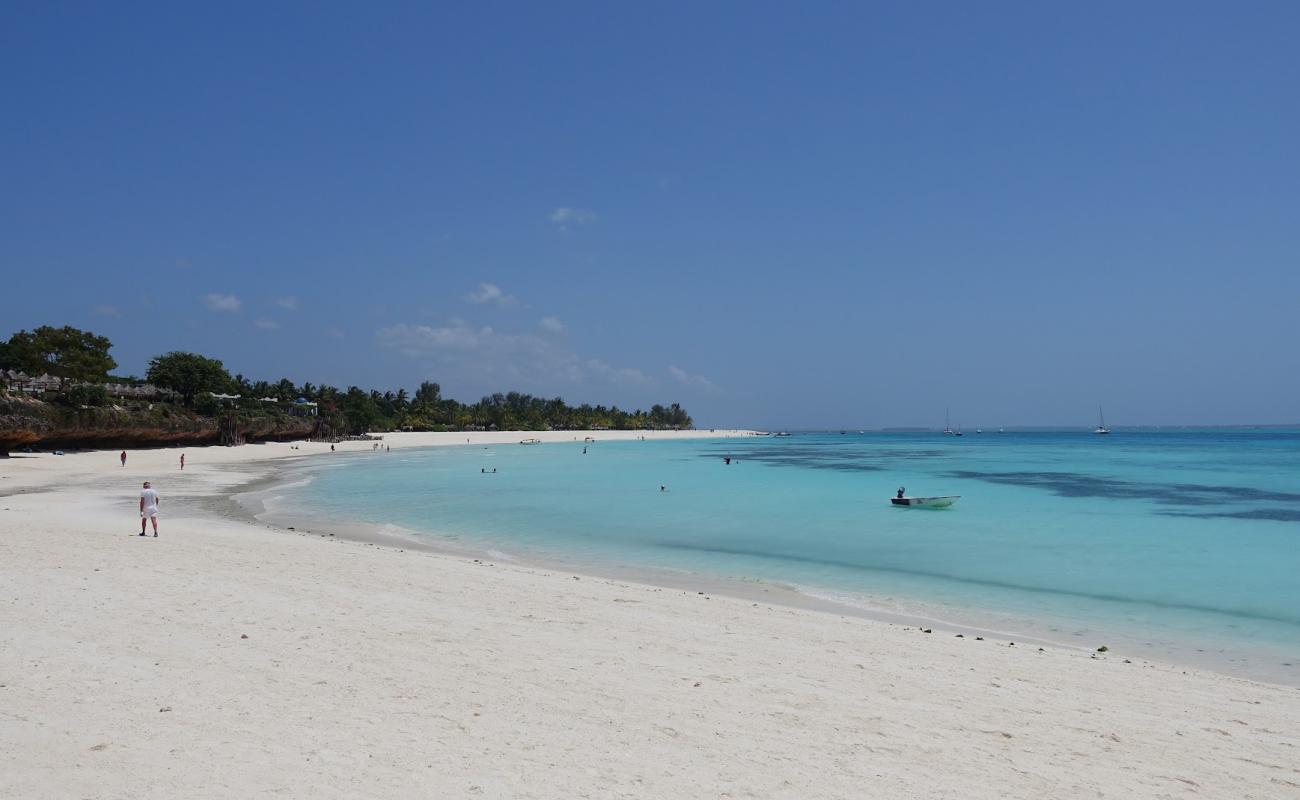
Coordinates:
58	389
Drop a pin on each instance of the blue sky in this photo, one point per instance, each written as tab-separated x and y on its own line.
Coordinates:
779	215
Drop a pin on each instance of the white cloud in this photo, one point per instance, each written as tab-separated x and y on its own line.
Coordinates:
107	311
489	353
223	302
616	374
415	340
564	216
490	293
551	324
687	379
289	303
266	324
335	333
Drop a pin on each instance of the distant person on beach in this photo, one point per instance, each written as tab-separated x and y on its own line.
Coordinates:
331	448
182	462
123	458
149	508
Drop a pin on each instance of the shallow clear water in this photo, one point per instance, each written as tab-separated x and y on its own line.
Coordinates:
1182	541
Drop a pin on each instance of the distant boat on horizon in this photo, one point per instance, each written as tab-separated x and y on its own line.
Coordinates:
947	422
1101	422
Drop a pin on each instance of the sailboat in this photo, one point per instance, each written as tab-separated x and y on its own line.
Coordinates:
947	423
1101	422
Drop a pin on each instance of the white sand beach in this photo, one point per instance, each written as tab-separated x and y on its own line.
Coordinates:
229	659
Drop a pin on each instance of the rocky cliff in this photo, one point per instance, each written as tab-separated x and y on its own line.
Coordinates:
26	421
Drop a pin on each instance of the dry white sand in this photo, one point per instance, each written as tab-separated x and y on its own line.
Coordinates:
374	672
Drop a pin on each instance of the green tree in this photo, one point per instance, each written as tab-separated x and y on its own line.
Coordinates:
8	358
188	374
67	353
428	394
360	412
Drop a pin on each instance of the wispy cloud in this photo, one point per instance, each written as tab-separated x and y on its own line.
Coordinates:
289	303
616	374
266	324
687	379
226	303
490	293
566	216
551	324
107	311
487	352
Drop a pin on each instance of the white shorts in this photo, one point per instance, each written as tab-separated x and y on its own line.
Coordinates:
150	512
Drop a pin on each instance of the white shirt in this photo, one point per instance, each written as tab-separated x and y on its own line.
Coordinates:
150	498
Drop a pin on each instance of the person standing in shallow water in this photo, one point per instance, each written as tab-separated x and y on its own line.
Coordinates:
182	462
124	458
149	508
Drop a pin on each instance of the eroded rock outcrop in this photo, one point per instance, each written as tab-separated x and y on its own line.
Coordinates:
26	421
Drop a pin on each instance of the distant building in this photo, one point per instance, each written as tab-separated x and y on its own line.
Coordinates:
20	382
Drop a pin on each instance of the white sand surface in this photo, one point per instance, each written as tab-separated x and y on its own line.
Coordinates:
377	672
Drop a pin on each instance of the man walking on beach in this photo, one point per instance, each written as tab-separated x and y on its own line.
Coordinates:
149	508
124	458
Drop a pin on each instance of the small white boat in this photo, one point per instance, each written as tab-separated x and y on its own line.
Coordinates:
530	441
1101	422
926	502
782	433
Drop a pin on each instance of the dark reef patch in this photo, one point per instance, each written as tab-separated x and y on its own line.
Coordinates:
1073	484
1273	514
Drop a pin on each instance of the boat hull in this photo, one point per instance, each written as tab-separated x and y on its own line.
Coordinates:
925	502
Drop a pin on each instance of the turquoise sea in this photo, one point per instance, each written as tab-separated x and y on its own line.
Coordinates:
1182	545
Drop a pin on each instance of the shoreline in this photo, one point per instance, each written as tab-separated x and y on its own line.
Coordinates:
226	659
247	503
1166	649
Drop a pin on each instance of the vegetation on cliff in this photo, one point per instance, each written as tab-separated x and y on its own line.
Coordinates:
83	411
